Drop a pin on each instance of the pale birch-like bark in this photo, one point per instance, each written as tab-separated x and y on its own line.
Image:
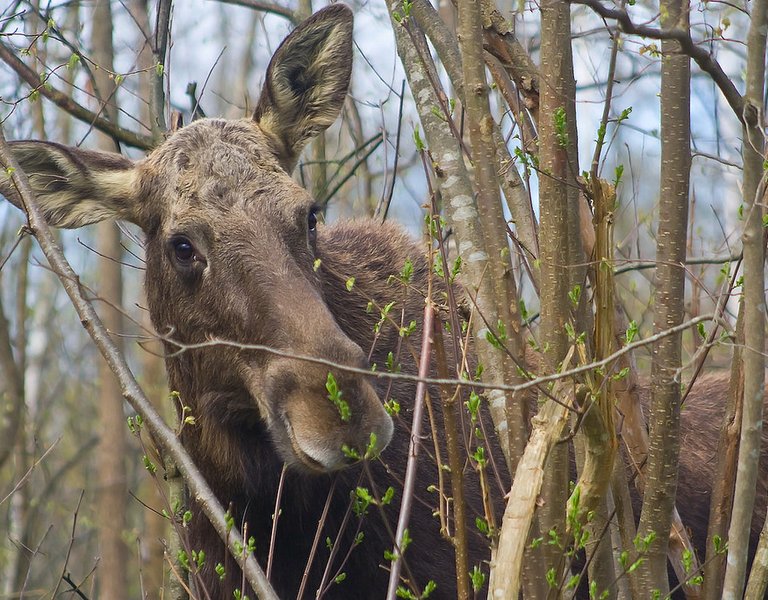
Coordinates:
548	428
447	48
461	209
480	124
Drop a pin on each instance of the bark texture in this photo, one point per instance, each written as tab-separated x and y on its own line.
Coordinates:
558	239
664	419
112	496
754	323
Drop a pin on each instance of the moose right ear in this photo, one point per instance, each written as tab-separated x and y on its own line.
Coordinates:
77	187
306	82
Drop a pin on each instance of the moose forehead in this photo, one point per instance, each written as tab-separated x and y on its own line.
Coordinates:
215	169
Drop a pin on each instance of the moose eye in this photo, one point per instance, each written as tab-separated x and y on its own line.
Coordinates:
312	220
183	250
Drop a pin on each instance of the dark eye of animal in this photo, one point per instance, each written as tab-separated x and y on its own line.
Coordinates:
312	220
183	250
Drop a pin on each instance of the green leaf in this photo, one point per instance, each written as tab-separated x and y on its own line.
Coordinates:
631	332
551	577
561	127
334	395
575	295
473	405
420	145
407	271
403	592
372	449
149	465
482	526
392	407
478	578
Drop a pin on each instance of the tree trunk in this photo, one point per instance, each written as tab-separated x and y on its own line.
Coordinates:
754	315
664	421
480	125
112	497
555	243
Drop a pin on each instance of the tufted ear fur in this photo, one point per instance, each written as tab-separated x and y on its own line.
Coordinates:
306	82
77	187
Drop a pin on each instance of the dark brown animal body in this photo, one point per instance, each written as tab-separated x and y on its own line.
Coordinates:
701	420
234	254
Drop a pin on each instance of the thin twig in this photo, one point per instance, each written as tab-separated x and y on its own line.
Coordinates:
413	452
78	111
700	54
315	540
391	191
75	588
275	516
267	7
439	381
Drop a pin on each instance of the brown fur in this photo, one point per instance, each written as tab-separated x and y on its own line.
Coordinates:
700	422
222	188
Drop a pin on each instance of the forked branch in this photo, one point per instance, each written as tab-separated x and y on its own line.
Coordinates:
75	109
745	112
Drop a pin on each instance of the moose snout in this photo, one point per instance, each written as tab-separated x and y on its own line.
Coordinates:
323	419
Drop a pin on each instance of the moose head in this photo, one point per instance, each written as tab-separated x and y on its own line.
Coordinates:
231	249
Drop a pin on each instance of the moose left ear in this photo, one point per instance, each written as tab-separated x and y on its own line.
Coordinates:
76	187
306	82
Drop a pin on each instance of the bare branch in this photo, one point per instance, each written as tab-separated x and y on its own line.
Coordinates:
267	7
413	453
549	425
746	113
481	385
78	111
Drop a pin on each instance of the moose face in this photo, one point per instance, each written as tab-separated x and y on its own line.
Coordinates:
230	251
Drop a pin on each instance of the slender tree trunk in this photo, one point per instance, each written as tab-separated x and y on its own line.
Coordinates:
555	241
156	529
721	503
111	503
461	209
664	421
754	316
480	125
13	430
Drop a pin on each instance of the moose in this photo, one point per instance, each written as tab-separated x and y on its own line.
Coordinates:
234	251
